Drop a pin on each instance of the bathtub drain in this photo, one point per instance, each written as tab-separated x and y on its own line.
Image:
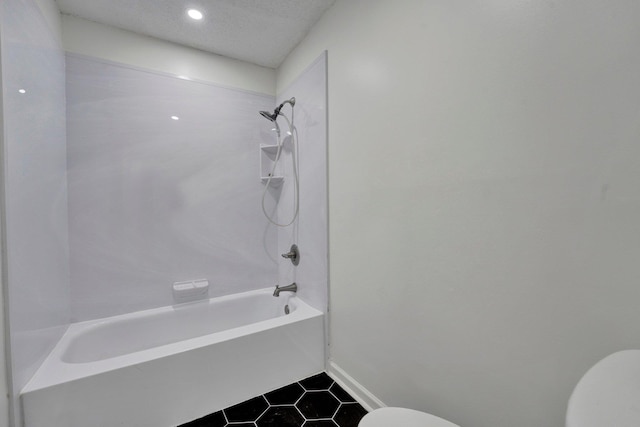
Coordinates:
286	309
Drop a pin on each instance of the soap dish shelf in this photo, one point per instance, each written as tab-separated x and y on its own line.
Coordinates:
267	158
275	180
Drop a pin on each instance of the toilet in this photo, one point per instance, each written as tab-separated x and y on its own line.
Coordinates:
607	395
389	417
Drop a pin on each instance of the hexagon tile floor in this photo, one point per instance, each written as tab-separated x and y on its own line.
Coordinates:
317	401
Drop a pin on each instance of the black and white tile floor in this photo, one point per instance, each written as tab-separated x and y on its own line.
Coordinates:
317	401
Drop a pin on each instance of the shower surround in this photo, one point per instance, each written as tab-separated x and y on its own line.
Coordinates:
163	178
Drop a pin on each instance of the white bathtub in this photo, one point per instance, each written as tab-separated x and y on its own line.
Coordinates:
167	366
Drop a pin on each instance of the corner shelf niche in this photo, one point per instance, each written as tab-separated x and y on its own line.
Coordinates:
267	158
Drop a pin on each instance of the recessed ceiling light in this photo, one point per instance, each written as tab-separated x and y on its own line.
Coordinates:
22	91
175	118
195	14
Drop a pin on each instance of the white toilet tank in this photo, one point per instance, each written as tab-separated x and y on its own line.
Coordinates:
608	394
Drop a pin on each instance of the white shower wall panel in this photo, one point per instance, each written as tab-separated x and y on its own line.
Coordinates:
310	231
34	187
155	200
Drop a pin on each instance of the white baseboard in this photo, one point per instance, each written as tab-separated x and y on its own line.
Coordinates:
353	387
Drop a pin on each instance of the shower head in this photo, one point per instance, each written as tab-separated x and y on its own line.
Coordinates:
276	112
271	117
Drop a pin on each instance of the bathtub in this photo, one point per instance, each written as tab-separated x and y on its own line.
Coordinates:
166	366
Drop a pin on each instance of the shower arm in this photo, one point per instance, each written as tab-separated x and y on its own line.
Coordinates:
291	102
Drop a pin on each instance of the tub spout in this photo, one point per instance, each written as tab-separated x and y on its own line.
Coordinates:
289	288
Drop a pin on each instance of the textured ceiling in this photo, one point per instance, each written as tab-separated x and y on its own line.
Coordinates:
259	31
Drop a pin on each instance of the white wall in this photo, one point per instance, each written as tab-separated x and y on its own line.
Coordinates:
102	41
309	231
484	199
153	201
5	367
35	190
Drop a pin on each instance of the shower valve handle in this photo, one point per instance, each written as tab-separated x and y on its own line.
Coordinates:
293	255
